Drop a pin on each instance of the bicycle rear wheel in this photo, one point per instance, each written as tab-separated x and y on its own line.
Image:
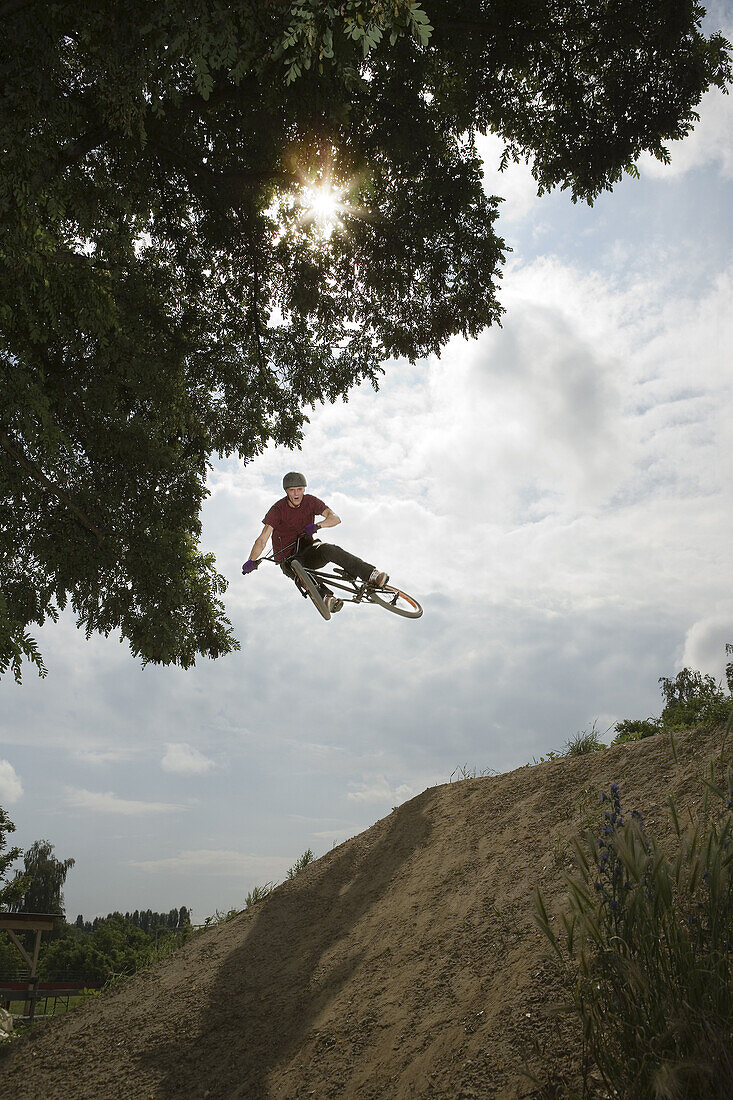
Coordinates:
392	599
310	587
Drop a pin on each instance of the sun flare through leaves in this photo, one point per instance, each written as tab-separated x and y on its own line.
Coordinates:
324	204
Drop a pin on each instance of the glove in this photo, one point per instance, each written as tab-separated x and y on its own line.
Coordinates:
249	566
310	528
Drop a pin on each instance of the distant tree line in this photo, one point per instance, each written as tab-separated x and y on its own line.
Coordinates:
147	920
95	951
90	951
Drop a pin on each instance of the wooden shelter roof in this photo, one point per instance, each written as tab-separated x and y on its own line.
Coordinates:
37	922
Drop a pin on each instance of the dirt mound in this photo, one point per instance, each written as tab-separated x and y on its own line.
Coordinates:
405	963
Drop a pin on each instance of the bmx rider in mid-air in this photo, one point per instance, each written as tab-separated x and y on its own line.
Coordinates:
292	524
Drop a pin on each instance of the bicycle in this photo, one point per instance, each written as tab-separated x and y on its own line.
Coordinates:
312	584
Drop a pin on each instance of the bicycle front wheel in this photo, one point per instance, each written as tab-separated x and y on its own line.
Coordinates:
392	599
310	587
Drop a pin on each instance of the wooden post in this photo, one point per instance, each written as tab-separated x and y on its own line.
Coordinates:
22	949
30	1004
28	922
30	1008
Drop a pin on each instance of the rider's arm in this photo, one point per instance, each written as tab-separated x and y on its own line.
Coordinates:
260	543
330	519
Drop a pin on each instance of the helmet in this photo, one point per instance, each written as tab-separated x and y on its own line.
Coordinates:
291	480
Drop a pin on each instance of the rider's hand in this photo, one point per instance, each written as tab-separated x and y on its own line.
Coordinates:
311	528
249	566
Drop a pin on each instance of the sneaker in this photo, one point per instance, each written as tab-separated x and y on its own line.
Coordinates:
333	604
377	579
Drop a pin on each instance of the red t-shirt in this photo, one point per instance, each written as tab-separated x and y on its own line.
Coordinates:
288	522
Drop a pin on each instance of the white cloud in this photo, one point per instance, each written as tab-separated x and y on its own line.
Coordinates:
378	789
100	757
516	184
336	835
710	143
573	461
109	803
705	642
11	788
215	861
183	759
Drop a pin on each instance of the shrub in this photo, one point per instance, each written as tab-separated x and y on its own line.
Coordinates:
300	864
115	946
635	729
692	699
647	950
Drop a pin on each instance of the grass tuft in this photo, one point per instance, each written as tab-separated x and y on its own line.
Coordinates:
463	771
257	894
584	742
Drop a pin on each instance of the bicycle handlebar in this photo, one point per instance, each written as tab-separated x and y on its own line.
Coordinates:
271	557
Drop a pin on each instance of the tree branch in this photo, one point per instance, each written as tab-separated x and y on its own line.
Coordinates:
70	154
200	171
82	146
39	476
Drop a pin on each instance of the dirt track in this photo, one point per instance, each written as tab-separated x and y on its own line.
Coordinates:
404	963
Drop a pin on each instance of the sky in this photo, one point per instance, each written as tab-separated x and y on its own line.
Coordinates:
557	494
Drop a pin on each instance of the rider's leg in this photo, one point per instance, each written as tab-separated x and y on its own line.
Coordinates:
322	588
332	602
315	557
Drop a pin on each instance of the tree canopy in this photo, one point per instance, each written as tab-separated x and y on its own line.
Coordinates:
11	890
42	881
165	296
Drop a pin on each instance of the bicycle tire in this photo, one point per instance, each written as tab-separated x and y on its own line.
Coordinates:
396	601
311	588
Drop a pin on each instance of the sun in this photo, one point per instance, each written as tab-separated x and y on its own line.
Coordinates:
323	203
314	208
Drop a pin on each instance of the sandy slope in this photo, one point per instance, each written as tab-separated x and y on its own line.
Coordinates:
405	963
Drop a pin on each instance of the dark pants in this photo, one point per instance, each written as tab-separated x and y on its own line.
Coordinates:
319	554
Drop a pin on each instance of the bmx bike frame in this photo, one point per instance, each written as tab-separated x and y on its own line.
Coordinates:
350	589
354	590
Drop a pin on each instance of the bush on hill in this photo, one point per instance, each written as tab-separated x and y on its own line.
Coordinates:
646	951
635	729
690	700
